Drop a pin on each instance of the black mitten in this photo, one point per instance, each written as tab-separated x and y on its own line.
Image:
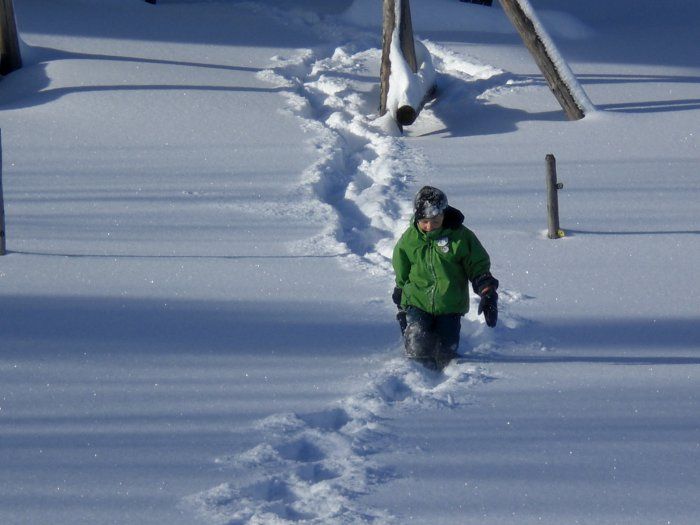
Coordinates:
489	307
485	286
396	296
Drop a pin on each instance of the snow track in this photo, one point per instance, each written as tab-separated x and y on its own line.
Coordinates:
358	185
313	467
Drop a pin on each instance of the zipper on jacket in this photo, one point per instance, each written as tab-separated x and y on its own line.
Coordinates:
432	270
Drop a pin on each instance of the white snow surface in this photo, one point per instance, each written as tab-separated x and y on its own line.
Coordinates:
195	313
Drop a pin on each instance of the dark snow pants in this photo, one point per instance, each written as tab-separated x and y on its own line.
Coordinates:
431	339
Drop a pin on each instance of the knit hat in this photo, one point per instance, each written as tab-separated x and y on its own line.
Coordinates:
429	202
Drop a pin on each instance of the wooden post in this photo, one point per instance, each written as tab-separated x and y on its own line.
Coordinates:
534	43
553	230
405	115
2	206
10	56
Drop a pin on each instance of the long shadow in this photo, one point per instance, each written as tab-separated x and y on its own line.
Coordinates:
478	117
49	95
624	341
655	106
668	232
218	23
46	54
621	79
487	118
27	86
169	256
650	106
609	360
37	327
609	45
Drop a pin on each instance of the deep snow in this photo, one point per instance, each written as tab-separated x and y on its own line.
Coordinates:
195	321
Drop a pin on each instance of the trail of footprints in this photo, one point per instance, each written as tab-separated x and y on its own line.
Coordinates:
313	467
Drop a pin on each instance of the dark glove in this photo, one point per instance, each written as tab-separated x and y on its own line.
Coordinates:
485	286
396	296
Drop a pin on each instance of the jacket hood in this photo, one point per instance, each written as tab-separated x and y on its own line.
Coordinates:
453	218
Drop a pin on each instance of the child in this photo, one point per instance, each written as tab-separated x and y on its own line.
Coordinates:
434	261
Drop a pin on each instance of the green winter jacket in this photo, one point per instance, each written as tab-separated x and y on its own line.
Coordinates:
434	269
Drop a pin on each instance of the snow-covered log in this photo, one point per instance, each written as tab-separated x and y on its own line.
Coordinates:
407	73
556	71
10	57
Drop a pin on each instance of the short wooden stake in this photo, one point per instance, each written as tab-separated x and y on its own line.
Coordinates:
553	230
2	206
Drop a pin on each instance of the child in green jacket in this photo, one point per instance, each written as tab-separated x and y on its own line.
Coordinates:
434	261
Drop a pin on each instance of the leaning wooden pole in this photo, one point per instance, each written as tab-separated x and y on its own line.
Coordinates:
2	206
10	56
561	81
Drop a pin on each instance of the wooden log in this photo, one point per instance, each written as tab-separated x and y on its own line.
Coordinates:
10	56
2	206
534	42
553	230
405	115
151	1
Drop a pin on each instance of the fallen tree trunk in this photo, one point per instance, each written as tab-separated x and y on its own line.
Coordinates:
407	76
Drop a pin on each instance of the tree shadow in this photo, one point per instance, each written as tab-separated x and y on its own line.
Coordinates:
27	87
36	327
167	256
650	106
655	106
624	341
572	233
583	359
228	23
485	117
480	118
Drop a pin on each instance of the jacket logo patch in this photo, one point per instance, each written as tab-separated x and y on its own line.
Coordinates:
444	244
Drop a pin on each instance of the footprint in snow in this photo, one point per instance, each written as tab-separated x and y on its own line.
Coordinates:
314	466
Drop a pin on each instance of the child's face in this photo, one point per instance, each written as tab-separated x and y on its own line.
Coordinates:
428	225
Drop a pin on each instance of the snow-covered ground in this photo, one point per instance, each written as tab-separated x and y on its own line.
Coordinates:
195	321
